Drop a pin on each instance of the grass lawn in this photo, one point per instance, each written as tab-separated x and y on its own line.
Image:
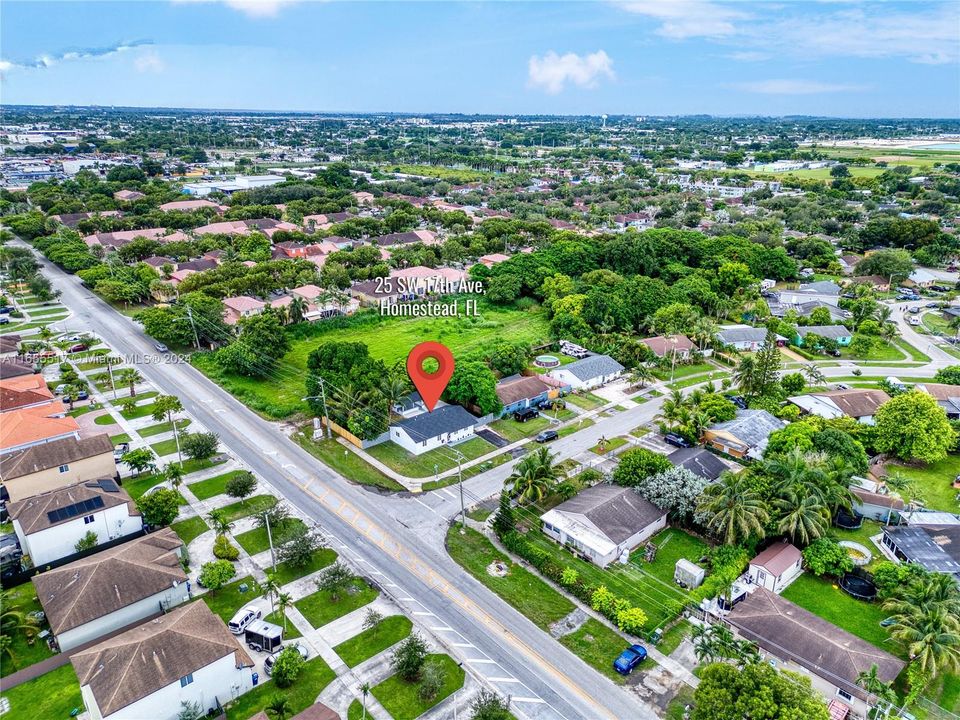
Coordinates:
291	632
945	692
228	599
479	514
163	427
514	431
287	573
910	350
166	447
211	487
672	544
575	427
609	446
437	460
355	711
105	419
598	646
374	641
682	371
389	339
585	400
676	710
319	609
314	677
353	467
190	529
138	412
934	483
522	589
53	695
119	438
80	411
137	486
23	653
674	636
402	699
250	506
862	619
880	351
256	540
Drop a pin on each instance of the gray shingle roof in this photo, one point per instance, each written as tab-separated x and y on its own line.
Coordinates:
751	426
729	336
618	512
823	287
446	419
593	367
700	462
932	547
832	332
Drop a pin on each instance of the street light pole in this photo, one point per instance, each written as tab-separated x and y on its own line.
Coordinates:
463	511
323	400
273	556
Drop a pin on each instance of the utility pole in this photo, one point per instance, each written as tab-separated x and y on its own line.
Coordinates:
273	556
463	511
112	385
196	340
326	415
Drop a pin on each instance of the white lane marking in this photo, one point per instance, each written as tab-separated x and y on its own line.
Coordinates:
442	628
423	612
503	680
447	492
463	645
405	599
481	661
426	506
528	700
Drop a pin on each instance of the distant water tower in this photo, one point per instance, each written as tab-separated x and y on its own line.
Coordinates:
604	118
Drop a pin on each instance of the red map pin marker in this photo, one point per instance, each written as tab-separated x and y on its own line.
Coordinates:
430	385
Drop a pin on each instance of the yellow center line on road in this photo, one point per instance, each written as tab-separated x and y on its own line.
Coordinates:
436	582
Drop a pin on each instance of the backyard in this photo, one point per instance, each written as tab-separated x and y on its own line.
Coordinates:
21	652
53	695
934	483
389	339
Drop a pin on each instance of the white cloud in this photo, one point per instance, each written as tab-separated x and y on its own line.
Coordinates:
552	72
688	18
149	63
45	61
794	87
749	56
251	8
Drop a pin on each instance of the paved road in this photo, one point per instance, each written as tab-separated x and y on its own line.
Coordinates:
545	680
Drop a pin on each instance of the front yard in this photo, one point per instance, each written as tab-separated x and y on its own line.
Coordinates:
373	641
257	540
353	467
228	599
211	487
314	677
431	462
320	608
402	699
190	529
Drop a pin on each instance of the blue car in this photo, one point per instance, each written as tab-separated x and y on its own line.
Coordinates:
629	659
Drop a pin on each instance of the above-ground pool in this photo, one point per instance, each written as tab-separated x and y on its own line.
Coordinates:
860	554
547	361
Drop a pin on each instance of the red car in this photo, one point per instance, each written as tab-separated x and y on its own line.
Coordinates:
79	347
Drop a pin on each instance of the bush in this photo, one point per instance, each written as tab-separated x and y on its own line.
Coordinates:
569	577
87	542
223	549
216	574
825	557
241	485
489	706
637	465
159	507
433	677
408	658
631	620
199	446
287	667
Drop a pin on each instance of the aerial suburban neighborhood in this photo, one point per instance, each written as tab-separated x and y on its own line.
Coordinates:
422	397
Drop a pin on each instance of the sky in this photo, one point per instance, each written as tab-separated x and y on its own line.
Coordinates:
634	57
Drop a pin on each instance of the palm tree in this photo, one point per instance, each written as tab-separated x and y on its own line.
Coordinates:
886	697
791	468
284	601
129	377
733	509
297	309
364	691
271	587
703	331
805	517
642	375
395	388
674	405
934	590
6	647
219	522
813	374
173	474
744	375
278	707
932	637
533	476
45	334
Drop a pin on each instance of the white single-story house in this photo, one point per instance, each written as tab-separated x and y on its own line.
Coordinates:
874	505
447	425
113	589
603	522
744	337
825	291
185	656
588	373
776	567
50	525
792	638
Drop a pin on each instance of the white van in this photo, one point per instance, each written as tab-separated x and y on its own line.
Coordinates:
244	616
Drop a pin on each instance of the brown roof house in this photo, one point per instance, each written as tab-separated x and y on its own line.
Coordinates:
678	346
518	392
50	525
185	656
857	403
113	589
603	522
56	464
776	567
796	639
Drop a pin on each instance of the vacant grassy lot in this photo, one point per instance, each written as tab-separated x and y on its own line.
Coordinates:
402	699
286	572
53	695
438	460
320	608
353	467
599	646
828	601
190	529
228	599
364	646
314	677
522	589
23	653
586	400
257	541
389	339
934	483
211	487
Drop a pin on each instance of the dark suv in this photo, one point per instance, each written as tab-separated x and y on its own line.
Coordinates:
526	414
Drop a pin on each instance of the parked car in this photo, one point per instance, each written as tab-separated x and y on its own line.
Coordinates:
842	386
4	320
676	440
59	389
268	663
932	305
913	310
160	347
737	400
547	436
243	617
79	347
629	659
5	309
120	450
526	414
913	321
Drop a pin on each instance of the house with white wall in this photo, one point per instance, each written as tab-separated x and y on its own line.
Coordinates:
588	373
776	567
50	525
113	589
185	656
447	425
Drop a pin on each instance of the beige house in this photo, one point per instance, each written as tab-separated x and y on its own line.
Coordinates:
56	464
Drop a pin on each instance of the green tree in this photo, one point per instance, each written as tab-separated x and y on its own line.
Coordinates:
241	485
488	705
912	426
129	377
287	667
87	542
504	521
638	464
164	408
533	477
159	507
409	657
473	383
216	574
733	510
139	460
200	446
279	707
299	550
335	580
432	678
219	522
284	601
726	692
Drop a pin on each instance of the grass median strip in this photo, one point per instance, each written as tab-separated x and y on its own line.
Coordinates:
403	700
257	540
375	640
321	608
190	529
211	487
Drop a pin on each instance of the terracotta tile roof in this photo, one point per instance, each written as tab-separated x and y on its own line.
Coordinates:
36	424
137	663
74	594
34	513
